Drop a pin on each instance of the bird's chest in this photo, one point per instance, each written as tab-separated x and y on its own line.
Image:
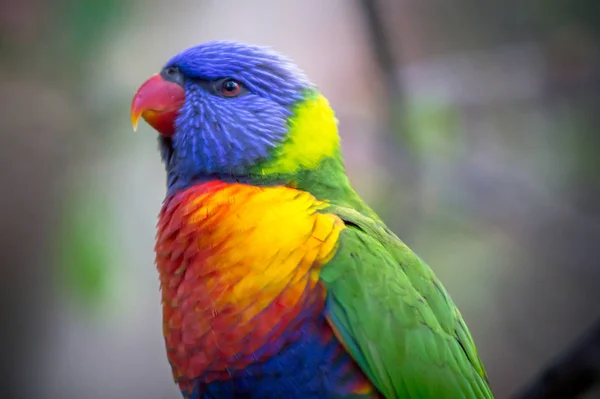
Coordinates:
239	274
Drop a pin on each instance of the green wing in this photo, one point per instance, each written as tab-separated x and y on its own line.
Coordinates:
396	319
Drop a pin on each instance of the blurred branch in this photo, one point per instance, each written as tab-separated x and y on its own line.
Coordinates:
397	146
381	45
387	60
572	374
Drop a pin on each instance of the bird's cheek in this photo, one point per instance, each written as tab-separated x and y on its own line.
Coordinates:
158	101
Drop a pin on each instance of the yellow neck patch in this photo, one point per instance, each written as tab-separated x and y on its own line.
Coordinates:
313	136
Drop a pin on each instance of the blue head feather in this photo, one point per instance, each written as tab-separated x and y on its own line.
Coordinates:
218	136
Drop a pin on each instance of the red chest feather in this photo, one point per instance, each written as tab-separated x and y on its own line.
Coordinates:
238	264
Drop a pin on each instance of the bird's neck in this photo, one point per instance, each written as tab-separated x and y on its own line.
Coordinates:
308	159
328	182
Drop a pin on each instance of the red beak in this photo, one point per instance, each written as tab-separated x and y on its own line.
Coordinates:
157	101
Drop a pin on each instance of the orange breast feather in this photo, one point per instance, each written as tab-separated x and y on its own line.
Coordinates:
238	264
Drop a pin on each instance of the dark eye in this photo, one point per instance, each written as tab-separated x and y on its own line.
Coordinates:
172	74
230	87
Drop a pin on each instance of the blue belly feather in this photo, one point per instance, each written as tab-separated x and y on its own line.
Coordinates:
310	368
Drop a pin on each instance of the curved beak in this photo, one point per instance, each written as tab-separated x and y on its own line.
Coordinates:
157	101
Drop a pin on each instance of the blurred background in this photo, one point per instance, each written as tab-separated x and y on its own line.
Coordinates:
476	136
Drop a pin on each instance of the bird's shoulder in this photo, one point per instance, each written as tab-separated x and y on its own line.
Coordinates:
395	316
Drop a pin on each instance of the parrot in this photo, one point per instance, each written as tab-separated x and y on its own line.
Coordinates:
277	280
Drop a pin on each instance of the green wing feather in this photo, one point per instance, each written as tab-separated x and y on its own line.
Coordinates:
396	319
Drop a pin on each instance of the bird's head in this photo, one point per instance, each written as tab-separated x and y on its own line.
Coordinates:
235	111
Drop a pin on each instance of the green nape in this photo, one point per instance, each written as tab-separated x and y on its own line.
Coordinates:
310	158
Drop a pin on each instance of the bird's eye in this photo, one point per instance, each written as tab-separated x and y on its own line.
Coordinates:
230	87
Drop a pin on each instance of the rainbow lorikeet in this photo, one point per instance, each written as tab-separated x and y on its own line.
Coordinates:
277	280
